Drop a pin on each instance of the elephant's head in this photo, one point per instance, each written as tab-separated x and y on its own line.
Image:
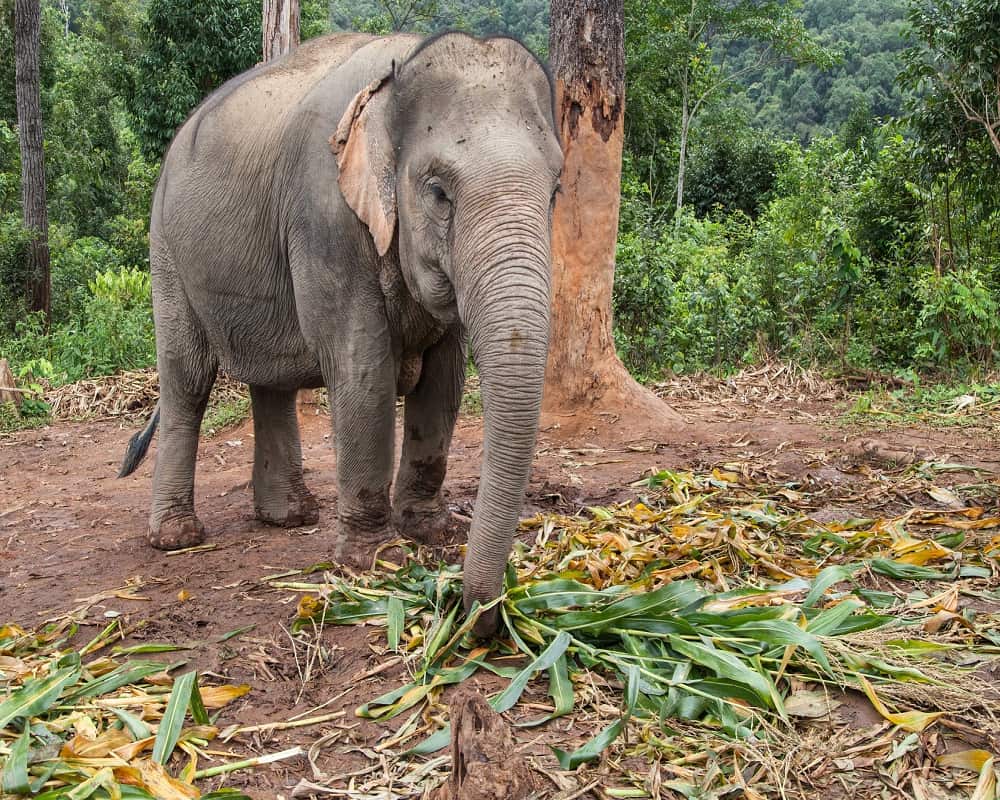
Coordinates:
455	152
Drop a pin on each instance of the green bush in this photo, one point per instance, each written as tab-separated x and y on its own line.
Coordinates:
686	297
113	332
957	319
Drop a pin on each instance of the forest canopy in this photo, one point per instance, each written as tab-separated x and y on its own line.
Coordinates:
831	197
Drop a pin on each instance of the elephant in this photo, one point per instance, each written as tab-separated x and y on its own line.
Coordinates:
355	215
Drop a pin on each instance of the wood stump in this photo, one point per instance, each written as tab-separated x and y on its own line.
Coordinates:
484	761
8	386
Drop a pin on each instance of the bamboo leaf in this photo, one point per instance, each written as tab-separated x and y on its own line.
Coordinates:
912	721
548	657
726	666
15	768
173	717
827	578
396	620
672	597
37	696
592	750
138	728
973	760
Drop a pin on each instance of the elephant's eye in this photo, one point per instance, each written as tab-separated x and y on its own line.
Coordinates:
436	202
438	192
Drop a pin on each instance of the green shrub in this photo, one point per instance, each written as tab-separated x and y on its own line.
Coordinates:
686	297
113	332
74	265
957	319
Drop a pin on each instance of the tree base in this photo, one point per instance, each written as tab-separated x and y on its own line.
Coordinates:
613	397
484	761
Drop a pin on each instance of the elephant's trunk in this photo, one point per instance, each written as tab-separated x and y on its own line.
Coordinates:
503	297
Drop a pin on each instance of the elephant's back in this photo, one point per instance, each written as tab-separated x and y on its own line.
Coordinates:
257	102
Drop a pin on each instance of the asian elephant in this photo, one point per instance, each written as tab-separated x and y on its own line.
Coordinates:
348	216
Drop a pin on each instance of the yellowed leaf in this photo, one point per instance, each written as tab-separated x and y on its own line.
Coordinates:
81	746
218	696
132	749
973	760
912	721
986	786
14	668
918	552
156	780
183	595
309	606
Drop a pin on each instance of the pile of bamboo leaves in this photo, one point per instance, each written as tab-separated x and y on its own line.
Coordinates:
75	724
709	601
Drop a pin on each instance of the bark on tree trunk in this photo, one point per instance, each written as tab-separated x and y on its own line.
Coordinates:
584	377
281	27
27	43
682	158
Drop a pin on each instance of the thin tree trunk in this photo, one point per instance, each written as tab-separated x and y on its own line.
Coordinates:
27	43
280	26
682	159
584	376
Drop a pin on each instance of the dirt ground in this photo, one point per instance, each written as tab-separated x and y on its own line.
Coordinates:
70	531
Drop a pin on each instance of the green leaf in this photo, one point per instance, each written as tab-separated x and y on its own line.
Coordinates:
138	728
128	673
781	633
827	622
827	578
15	768
38	695
592	750
432	743
396	619
173	717
727	666
909	572
548	657
198	711
672	597
631	689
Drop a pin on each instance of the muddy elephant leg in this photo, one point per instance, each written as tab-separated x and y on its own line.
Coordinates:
187	371
363	395
431	410
280	496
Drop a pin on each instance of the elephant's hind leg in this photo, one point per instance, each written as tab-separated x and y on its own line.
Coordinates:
280	496
187	372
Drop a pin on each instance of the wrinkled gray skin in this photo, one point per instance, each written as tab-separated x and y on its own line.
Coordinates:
266	262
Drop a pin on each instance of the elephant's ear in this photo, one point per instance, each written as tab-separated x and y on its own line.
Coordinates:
367	163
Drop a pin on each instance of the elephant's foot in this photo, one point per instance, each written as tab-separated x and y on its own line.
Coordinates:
431	523
356	545
297	507
177	532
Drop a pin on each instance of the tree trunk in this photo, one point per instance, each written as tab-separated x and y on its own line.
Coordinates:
27	43
280	26
682	159
584	377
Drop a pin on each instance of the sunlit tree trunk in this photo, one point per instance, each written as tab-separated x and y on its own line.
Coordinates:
584	377
280	26
27	43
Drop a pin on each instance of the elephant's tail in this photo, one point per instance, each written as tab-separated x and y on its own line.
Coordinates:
139	444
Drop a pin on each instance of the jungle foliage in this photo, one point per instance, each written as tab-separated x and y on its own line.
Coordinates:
838	208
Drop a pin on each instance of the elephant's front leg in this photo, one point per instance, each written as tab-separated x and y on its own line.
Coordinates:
431	409
364	404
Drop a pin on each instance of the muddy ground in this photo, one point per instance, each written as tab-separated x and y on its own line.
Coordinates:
70	531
